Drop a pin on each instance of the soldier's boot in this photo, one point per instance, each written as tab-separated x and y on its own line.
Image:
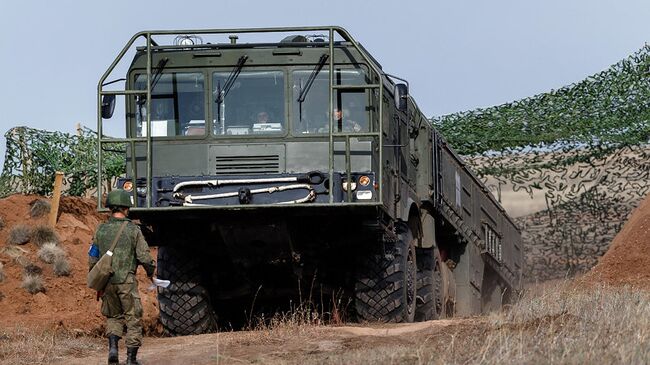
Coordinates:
112	350
131	356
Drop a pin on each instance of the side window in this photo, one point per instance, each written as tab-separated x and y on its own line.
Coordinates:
350	107
177	105
350	114
310	115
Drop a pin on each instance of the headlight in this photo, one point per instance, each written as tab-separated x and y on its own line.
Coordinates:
353	186
364	195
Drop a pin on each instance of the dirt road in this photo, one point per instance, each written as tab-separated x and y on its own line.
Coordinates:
284	345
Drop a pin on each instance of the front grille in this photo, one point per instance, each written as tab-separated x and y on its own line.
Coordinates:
242	165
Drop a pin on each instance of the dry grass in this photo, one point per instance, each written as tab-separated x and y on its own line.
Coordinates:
332	310
573	325
2	223
33	283
39	208
562	326
49	251
19	234
293	320
556	325
22	261
55	255
22	346
32	269
13	251
44	234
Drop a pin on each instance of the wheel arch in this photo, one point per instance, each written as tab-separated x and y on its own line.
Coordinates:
414	220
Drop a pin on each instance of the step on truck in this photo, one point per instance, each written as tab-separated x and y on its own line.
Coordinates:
284	165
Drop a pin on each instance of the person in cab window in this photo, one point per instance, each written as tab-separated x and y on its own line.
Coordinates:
263	117
264	124
344	123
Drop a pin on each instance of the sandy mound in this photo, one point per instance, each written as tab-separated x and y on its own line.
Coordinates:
66	302
628	259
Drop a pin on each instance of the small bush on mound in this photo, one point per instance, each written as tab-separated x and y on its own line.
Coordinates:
44	234
12	251
49	252
33	283
22	261
20	234
32	269
2	223
61	265
2	272
39	208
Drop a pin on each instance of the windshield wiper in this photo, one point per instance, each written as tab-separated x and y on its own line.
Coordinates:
221	93
312	77
154	79
158	74
310	81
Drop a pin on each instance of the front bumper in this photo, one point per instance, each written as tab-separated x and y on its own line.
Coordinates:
242	190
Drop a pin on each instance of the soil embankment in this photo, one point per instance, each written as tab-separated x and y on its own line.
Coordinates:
66	302
627	261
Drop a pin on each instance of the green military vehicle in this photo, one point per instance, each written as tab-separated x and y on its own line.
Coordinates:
292	167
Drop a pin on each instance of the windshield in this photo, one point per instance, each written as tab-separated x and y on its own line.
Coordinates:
253	105
350	105
177	104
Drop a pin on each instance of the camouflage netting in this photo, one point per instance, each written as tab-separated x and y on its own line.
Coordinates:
583	147
34	156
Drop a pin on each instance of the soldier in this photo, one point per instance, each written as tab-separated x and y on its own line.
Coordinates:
120	300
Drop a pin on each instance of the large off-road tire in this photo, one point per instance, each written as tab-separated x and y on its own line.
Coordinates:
185	307
429	286
385	289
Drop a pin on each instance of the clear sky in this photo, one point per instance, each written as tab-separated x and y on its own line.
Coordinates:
457	55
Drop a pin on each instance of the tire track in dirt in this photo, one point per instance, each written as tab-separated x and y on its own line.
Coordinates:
284	345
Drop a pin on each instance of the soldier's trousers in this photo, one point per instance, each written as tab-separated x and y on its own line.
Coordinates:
121	306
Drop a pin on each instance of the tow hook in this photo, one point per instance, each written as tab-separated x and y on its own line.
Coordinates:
244	196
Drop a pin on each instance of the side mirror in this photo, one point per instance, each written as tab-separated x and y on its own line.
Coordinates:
108	106
401	95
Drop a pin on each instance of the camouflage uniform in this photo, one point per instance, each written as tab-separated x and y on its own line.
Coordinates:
121	300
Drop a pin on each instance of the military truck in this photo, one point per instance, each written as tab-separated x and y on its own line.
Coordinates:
284	164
